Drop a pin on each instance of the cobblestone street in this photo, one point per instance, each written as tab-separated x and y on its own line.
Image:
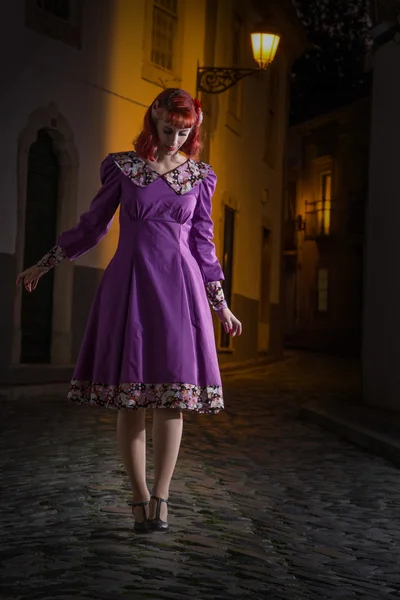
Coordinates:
263	505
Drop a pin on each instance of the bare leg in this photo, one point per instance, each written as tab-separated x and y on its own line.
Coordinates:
131	435
167	435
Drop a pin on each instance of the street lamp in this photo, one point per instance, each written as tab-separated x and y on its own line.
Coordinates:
214	80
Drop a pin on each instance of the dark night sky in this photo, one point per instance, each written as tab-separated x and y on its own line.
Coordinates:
331	73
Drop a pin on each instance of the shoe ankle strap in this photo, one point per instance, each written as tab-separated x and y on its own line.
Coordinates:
159	499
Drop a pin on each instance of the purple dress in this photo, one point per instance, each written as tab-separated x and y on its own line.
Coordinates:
149	340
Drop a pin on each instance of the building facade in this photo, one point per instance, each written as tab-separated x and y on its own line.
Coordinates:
79	76
381	373
326	199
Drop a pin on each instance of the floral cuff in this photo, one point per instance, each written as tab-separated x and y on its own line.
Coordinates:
52	258
215	295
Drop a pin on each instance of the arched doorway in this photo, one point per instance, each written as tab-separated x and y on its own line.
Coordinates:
40	232
47	131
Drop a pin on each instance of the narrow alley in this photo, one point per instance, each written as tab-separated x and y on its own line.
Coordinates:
263	505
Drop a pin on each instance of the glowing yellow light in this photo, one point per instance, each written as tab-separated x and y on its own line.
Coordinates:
325	204
265	46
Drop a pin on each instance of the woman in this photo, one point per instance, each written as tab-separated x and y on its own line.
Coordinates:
149	341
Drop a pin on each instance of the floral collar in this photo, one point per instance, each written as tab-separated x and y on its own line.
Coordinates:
182	179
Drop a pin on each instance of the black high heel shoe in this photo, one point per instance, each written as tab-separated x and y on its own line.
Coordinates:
141	526
158	524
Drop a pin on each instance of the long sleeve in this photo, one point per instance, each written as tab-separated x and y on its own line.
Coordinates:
215	295
53	258
202	246
93	224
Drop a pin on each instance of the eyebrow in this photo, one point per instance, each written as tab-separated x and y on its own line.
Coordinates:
183	129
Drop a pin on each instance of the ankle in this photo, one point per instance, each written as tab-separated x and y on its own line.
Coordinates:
160	492
141	512
141	496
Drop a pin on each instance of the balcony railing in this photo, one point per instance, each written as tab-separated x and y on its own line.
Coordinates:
318	219
335	219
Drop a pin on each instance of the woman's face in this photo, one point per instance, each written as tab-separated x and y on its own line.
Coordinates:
171	139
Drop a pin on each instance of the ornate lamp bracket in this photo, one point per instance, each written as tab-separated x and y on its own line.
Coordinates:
215	80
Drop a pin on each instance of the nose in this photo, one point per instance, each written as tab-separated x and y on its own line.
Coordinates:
173	139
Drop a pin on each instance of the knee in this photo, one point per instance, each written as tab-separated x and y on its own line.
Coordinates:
168	413
131	416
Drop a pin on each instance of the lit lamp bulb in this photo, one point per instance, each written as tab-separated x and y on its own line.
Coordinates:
265	46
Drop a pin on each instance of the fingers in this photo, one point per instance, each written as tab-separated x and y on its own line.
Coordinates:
236	327
27	284
239	328
20	277
233	326
31	283
29	279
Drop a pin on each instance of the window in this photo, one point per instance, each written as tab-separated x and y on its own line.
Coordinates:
165	18
58	19
318	213
163	42
324	204
322	289
227	266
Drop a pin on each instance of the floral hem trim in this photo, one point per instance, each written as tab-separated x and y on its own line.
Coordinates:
187	396
215	295
52	258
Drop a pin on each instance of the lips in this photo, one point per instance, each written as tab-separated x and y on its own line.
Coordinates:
170	148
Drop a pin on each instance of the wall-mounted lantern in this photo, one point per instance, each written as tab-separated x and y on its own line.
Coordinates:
214	80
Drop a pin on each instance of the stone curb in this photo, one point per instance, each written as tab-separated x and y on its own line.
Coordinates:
231	368
14	392
373	441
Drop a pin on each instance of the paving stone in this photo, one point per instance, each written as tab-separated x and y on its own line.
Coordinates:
263	505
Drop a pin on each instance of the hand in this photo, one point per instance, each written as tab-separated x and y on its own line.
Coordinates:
31	277
230	322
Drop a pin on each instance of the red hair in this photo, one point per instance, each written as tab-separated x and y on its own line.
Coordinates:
178	108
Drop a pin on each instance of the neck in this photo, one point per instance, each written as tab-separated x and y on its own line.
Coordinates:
167	159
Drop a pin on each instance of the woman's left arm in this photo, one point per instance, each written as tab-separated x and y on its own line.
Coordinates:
203	249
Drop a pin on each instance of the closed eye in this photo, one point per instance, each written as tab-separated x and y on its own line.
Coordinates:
168	131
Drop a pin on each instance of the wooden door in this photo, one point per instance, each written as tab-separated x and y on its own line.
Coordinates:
40	234
227	267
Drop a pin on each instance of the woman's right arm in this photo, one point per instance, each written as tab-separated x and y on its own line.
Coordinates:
91	228
93	224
